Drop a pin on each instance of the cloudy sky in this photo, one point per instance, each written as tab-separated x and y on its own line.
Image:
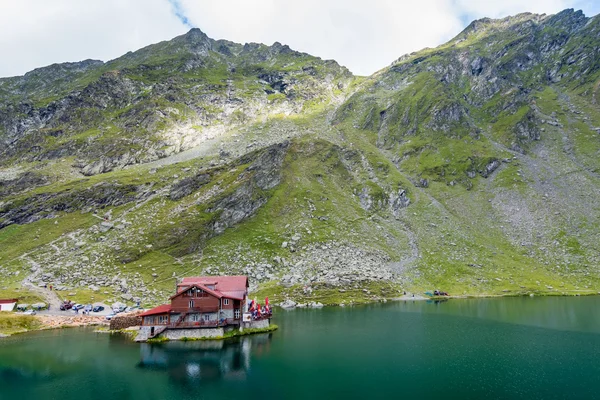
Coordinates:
364	35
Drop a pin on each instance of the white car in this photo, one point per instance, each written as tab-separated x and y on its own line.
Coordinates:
29	312
110	316
77	307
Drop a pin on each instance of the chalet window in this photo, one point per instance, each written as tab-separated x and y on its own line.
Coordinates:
225	302
206	317
211	287
195	317
236	313
200	293
191	304
162	319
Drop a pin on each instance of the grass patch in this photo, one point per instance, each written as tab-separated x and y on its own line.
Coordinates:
23	295
358	293
16	240
13	323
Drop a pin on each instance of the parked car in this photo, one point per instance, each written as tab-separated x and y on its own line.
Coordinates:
98	309
119	309
66	305
29	312
77	306
88	308
110	316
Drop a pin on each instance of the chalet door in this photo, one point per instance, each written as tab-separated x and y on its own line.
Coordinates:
236	309
152	331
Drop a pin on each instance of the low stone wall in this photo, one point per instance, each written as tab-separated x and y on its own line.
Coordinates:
144	332
125	321
178	334
261	324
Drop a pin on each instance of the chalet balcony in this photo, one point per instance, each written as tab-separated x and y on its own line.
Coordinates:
201	309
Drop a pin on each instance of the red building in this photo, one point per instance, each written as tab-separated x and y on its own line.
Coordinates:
201	302
7	304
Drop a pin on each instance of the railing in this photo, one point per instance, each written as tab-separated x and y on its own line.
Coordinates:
179	320
201	309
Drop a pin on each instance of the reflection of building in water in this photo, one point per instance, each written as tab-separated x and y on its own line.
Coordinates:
204	360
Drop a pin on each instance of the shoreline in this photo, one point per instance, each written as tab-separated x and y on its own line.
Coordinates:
305	302
228	335
47	322
52	322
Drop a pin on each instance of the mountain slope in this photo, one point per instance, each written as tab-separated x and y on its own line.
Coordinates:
157	101
472	167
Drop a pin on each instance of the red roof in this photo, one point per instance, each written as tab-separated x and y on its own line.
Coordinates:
164	308
215	293
227	286
224	283
8	301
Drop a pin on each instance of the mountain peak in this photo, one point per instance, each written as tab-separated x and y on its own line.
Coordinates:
196	33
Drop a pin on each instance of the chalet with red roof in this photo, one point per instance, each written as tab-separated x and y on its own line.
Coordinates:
7	304
213	304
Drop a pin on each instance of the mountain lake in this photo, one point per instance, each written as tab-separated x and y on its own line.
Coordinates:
498	348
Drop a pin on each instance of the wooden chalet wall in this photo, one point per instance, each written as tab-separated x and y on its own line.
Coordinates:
203	302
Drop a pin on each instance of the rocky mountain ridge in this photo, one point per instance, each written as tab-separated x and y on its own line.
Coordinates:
471	167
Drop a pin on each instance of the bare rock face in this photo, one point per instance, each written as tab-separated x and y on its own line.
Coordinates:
263	174
188	185
47	204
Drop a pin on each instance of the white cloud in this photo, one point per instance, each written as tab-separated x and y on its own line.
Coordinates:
364	35
35	33
497	9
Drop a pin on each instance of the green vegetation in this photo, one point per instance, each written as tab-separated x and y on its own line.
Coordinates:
470	168
250	331
23	295
17	240
13	323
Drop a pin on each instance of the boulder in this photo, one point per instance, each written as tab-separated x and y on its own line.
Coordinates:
287	304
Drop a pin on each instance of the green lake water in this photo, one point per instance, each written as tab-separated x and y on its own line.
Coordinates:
506	348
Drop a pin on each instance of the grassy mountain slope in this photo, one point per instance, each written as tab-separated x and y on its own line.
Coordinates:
472	167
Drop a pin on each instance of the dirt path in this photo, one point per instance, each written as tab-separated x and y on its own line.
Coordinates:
50	296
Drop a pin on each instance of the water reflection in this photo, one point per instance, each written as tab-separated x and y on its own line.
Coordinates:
436	301
559	313
204	361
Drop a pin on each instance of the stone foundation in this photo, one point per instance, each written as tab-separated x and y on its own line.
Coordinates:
197	333
204	333
261	324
